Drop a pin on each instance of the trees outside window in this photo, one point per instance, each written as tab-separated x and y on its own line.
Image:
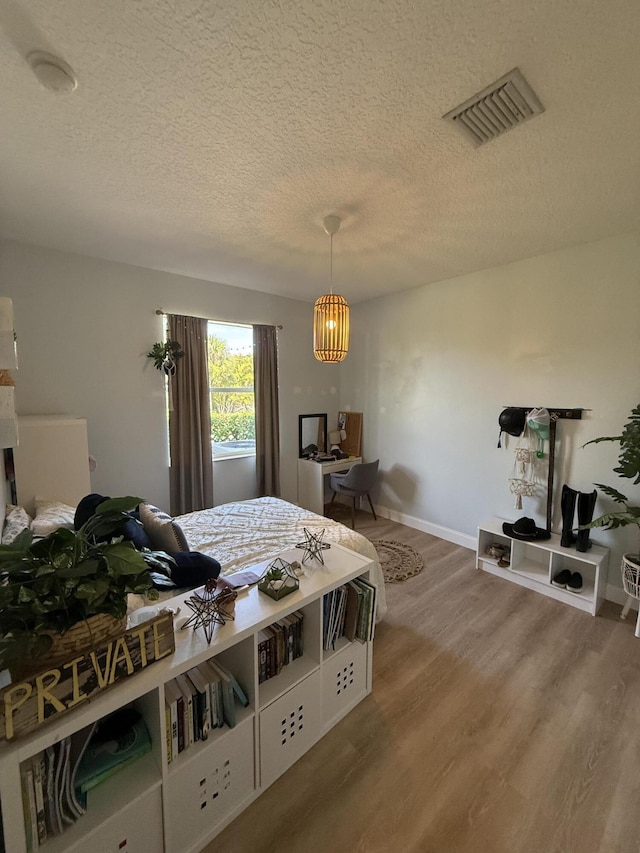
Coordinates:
233	427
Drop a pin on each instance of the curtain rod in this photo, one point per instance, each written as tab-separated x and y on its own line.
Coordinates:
162	313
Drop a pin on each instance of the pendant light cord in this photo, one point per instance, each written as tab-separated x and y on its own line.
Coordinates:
331	267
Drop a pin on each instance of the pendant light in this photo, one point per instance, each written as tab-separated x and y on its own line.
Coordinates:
331	313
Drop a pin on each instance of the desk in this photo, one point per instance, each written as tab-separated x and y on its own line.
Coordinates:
311	477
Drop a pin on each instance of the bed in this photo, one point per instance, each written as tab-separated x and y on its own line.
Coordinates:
244	533
238	535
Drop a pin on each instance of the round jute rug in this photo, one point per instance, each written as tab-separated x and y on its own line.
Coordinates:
397	560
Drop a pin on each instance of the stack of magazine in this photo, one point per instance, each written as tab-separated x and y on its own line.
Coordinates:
55	781
48	790
349	611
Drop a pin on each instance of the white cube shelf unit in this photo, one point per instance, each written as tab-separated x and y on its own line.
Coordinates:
180	806
534	564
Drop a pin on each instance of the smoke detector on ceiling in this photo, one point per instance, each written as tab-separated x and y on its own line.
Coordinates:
503	105
54	73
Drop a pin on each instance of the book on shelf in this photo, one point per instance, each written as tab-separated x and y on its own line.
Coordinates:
167	729
66	813
334	611
279	644
171	695
38	784
118	740
29	803
288	625
237	689
78	743
366	618
354	596
263	639
188	691
215	689
199	680
228	696
54	826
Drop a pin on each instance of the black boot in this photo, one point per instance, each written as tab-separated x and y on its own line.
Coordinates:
568	504
586	506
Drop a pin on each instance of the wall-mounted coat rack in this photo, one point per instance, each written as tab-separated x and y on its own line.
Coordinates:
555	415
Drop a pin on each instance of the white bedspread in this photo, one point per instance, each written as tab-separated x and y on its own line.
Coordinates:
241	534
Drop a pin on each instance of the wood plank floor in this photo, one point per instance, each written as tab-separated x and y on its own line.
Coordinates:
500	722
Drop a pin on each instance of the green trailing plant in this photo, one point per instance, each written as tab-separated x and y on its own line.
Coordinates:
629	468
49	584
163	352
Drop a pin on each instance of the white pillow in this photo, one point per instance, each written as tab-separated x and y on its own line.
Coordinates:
16	520
50	515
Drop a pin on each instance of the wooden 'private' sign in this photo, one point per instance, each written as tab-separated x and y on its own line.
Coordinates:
27	704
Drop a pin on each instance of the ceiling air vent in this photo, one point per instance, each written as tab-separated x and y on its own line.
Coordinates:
508	102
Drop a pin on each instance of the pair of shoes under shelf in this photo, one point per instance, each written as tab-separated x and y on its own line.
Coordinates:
571	581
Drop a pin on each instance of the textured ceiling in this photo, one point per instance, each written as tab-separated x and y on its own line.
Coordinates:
211	138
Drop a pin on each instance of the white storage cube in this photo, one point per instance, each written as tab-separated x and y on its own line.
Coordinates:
205	790
136	829
288	728
344	682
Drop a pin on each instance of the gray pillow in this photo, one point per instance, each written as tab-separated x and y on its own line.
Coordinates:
165	534
17	519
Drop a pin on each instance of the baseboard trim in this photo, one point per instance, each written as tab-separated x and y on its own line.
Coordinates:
438	530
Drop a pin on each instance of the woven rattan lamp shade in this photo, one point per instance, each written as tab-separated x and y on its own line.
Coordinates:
331	314
331	328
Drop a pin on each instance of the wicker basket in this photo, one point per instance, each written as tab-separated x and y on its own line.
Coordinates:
631	575
83	636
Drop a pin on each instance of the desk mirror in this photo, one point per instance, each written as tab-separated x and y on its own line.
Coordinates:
312	430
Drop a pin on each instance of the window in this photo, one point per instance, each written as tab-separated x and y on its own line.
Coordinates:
231	392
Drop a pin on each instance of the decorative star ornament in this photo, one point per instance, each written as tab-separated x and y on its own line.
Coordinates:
313	546
210	609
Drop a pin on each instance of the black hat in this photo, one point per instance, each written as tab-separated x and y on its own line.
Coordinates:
511	420
525	529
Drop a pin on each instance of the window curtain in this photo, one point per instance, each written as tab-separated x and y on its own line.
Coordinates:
265	370
191	472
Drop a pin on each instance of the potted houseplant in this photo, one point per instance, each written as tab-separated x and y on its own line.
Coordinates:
278	580
628	513
69	579
165	354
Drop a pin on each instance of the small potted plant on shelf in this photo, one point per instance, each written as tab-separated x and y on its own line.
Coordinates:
629	468
69	589
279	579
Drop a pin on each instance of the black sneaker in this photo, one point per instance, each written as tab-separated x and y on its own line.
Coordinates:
574	584
563	579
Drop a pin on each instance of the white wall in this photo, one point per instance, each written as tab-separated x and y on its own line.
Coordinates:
84	326
432	368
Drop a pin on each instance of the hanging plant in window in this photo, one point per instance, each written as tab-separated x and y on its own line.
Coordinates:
164	355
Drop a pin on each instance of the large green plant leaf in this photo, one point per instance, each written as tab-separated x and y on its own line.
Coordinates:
629	468
125	504
123	559
86	568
